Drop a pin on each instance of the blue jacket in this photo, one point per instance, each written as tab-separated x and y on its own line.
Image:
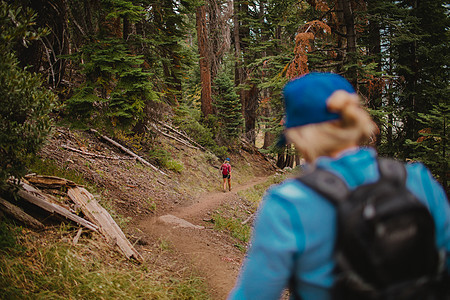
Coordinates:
295	229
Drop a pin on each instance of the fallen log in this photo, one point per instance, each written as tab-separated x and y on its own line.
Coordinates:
107	226
37	198
186	143
48	181
140	159
94	154
18	214
182	134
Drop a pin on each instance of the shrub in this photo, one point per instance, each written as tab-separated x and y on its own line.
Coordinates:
174	165
26	105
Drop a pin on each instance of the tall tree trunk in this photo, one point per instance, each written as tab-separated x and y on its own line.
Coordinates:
444	168
219	35
269	138
375	100
410	61
238	70
281	162
213	37
297	159
250	104
349	21
389	134
126	31
205	71
248	95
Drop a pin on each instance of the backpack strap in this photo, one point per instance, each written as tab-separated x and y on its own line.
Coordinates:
335	189
392	170
327	184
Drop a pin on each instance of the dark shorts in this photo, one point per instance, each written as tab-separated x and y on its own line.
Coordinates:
226	176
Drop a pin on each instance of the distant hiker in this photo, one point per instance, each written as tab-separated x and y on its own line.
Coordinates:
226	174
305	237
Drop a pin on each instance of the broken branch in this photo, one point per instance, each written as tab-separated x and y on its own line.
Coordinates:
93	154
49	181
186	143
143	161
182	134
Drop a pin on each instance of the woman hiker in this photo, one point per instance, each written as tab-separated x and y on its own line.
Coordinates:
295	230
226	174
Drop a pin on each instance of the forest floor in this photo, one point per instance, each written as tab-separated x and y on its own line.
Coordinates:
170	219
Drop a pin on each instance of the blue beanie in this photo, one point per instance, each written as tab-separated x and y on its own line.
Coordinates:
306	97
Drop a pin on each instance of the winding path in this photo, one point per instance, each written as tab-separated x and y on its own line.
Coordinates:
211	253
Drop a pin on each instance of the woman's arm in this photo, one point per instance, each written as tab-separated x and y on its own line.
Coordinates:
270	261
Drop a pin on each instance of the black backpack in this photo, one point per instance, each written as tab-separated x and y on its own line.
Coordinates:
385	246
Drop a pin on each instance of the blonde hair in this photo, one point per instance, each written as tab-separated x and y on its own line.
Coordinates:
355	127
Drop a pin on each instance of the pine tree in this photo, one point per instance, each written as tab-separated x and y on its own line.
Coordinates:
131	55
115	84
431	147
228	109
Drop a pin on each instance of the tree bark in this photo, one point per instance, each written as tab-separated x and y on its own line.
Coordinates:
238	71
375	100
205	71
249	94
269	138
349	21
18	214
126	31
250	104
281	159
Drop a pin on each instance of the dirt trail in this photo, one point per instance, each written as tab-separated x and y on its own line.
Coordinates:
212	254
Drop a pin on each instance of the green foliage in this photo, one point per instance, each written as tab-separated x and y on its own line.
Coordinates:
15	26
188	118
228	107
414	80
48	167
234	226
431	147
174	165
269	28
255	193
114	86
25	106
123	8
163	158
158	155
8	239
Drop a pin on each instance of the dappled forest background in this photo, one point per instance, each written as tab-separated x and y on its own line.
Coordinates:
216	68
